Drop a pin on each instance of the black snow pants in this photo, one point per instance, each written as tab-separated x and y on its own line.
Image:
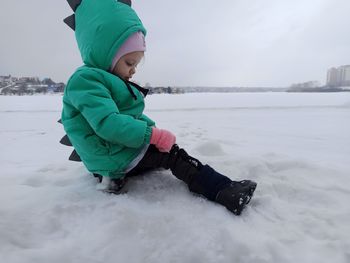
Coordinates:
201	179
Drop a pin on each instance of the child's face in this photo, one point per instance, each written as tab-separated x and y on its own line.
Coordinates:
126	65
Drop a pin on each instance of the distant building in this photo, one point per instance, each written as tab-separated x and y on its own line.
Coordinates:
338	77
344	75
332	77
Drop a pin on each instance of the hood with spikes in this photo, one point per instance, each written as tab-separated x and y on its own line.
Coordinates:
101	27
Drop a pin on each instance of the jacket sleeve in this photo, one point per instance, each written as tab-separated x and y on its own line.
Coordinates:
93	100
148	120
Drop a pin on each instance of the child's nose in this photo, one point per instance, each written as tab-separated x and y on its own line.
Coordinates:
132	71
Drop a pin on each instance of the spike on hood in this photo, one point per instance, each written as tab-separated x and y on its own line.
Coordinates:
101	27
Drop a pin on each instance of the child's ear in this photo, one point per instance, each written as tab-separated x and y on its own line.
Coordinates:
127	2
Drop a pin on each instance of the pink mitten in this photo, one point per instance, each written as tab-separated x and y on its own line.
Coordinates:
162	139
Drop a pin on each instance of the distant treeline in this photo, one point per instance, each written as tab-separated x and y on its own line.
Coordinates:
28	86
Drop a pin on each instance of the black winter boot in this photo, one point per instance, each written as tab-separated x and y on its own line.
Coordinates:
113	186
219	188
236	196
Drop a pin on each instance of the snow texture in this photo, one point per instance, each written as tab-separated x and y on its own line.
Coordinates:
296	146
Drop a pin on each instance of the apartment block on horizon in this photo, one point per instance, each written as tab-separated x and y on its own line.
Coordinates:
338	77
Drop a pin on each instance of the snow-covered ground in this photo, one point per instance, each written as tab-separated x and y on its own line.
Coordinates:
296	146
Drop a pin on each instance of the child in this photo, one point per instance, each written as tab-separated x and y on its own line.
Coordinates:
103	110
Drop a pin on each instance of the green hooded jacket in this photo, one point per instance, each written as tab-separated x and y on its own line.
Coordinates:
102	119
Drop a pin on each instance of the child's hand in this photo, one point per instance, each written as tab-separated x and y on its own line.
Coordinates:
162	139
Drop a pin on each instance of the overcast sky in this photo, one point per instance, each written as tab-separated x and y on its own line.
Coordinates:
192	42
